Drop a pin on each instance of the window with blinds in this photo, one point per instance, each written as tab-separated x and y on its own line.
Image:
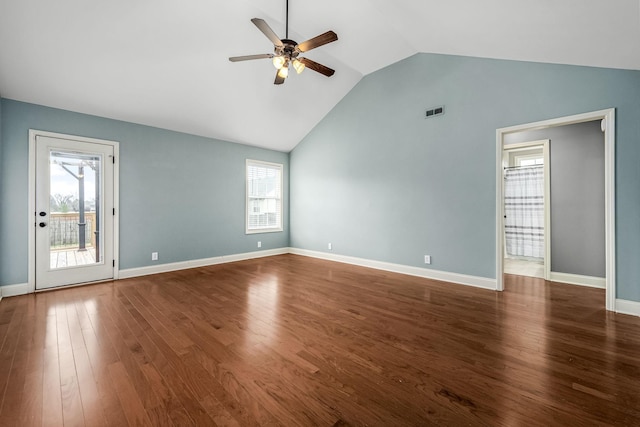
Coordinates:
264	197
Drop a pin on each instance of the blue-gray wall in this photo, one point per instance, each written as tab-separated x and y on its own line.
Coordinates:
577	205
1	148
180	195
379	181
2	202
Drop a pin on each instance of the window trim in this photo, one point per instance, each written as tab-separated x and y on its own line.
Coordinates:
534	156
259	163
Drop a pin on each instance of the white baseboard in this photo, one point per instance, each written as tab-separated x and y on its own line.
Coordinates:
175	266
14	290
628	307
622	306
462	279
576	279
23	288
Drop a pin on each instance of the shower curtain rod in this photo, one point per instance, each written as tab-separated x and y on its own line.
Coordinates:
529	166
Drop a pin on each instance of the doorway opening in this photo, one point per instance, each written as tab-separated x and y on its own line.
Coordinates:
526	208
72	197
605	119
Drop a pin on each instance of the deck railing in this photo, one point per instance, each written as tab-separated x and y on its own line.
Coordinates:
64	229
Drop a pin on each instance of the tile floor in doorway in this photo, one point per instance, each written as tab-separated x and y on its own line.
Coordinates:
524	267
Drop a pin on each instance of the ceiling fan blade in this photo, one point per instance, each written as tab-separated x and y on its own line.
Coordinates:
279	80
317	41
267	31
317	67
250	57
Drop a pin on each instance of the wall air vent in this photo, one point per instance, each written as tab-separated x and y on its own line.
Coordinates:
435	111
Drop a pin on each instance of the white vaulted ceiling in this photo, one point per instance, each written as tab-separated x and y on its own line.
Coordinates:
165	63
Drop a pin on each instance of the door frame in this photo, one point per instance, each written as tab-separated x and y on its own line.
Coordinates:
544	144
609	125
33	133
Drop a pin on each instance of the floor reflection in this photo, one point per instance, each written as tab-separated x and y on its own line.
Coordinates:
523	334
262	304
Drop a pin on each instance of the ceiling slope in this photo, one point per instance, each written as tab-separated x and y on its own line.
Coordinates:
164	63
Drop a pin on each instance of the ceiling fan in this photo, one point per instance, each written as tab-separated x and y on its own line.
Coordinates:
286	51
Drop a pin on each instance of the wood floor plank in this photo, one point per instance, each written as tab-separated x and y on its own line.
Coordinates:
159	321
51	390
15	353
133	359
89	396
70	391
101	354
14	318
183	399
32	402
129	398
291	340
211	355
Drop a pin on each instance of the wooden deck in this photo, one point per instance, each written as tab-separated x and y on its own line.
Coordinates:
296	341
72	257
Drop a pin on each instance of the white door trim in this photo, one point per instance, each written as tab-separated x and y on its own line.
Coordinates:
609	117
31	283
544	143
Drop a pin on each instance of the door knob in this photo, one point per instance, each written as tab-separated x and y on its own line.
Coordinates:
43	224
43	214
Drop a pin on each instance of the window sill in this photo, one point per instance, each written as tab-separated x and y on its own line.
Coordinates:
264	230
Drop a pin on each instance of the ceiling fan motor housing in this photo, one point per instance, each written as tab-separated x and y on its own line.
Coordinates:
288	50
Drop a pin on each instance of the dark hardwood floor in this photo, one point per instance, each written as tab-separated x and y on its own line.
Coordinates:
296	341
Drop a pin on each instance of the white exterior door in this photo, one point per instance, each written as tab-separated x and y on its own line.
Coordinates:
74	211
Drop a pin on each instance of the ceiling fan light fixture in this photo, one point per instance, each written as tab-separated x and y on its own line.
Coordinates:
278	62
284	71
298	65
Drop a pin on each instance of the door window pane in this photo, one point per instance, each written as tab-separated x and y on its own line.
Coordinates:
74	209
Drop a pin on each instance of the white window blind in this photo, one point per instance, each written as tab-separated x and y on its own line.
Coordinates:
264	197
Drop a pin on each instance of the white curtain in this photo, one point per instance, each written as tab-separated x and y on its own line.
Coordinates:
524	211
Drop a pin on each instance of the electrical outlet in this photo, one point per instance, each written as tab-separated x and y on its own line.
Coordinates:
427	259
154	256
259	244
329	246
